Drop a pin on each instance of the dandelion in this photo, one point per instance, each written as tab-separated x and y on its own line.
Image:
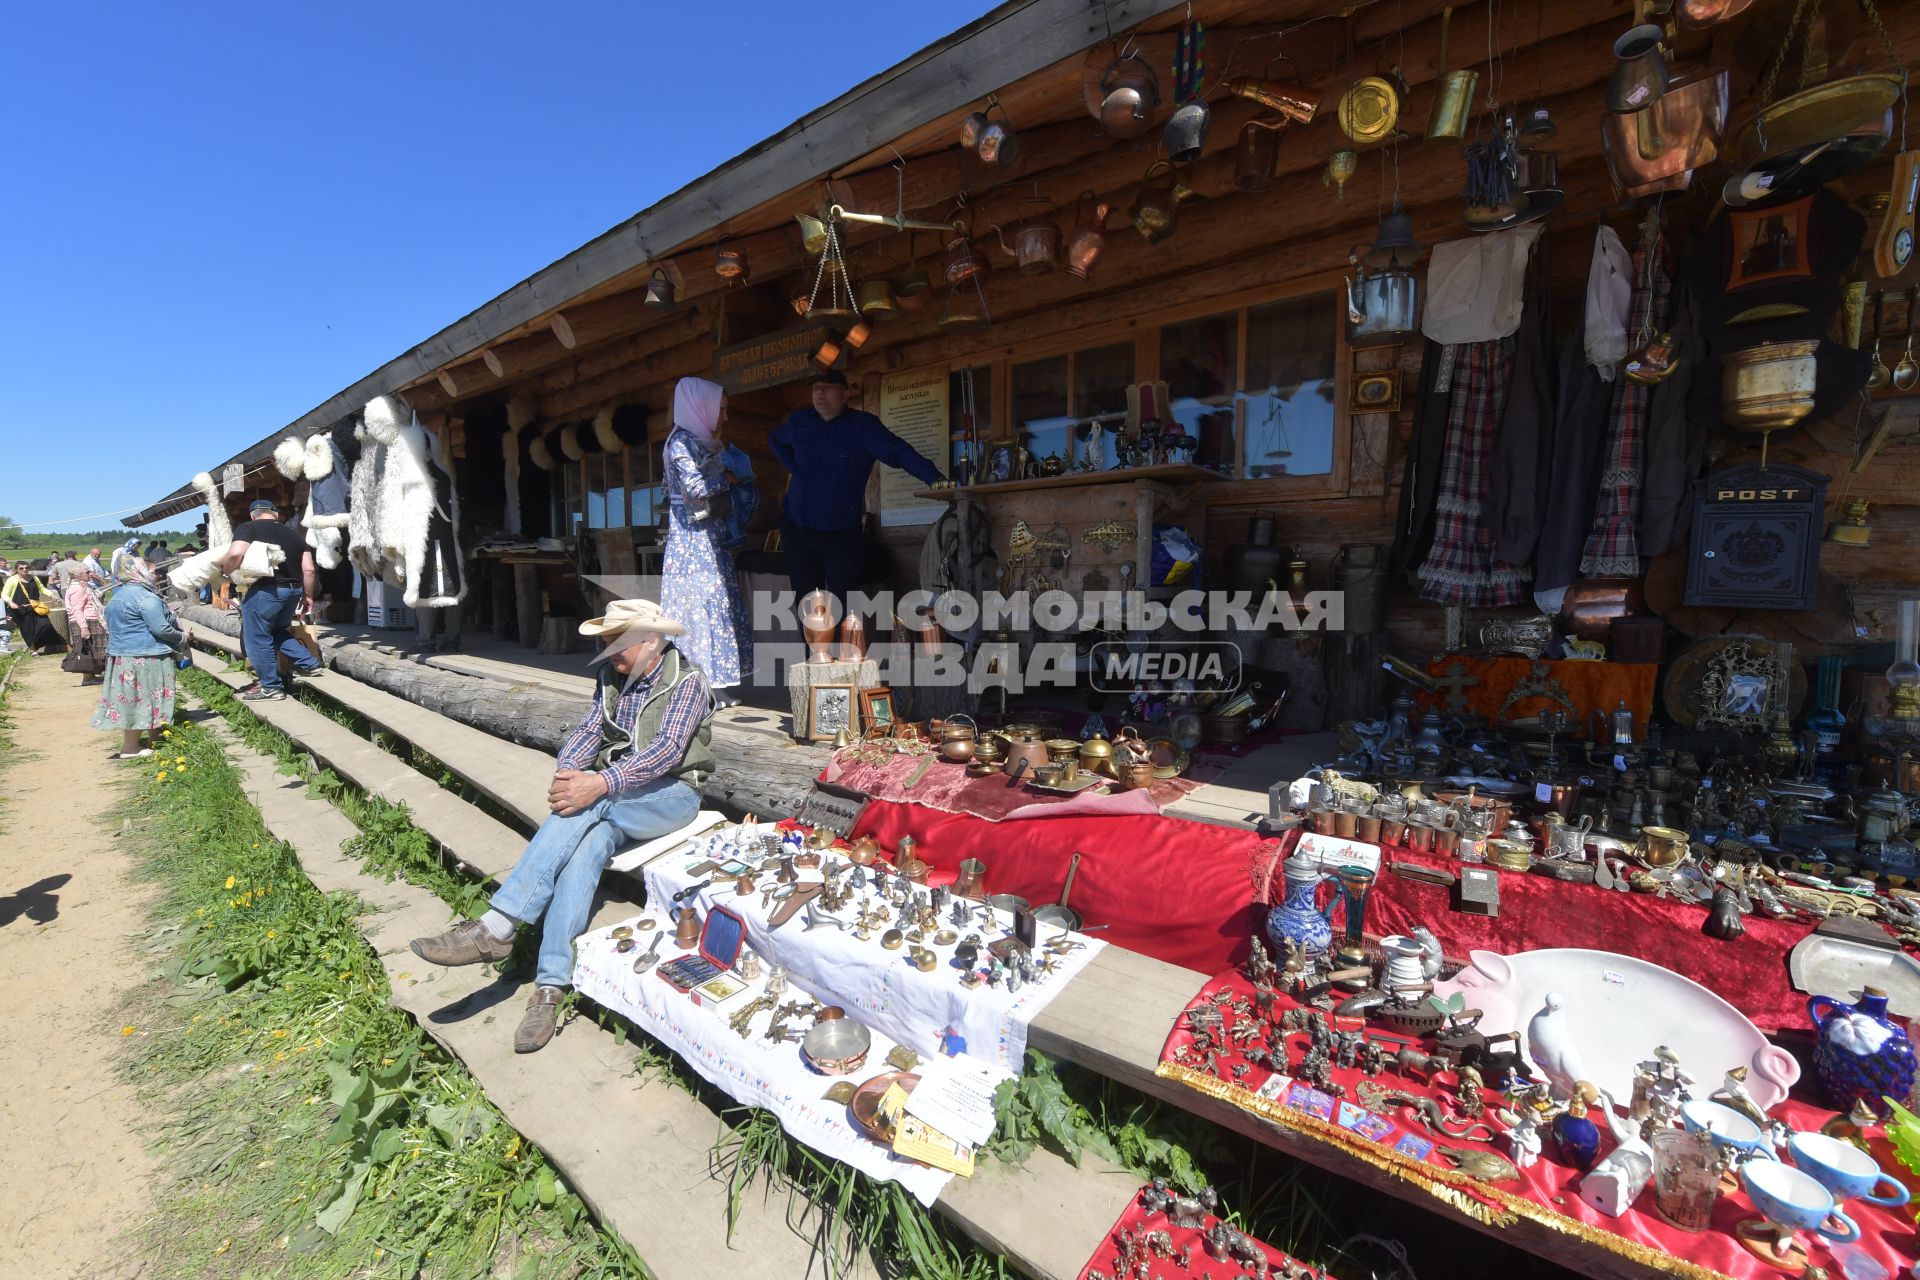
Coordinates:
344	975
128	1030
279	1057
271	935
386	1062
379	1254
229	882
166	733
224	1246
160	776
513	1150
179	759
280	1034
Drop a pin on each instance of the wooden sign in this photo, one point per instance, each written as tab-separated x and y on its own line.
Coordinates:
786	356
914	407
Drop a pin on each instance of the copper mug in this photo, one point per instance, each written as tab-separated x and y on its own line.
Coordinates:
1393	831
1324	821
972	880
1419	837
1367	827
1345	823
1446	841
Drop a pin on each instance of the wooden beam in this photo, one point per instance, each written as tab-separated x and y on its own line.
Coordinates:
563	330
491	359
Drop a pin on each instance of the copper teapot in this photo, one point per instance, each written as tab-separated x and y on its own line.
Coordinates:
1089	238
1035	248
1156	211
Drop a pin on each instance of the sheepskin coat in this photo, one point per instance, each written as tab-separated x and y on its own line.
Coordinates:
403	511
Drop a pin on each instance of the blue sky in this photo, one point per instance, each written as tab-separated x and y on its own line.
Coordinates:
220	214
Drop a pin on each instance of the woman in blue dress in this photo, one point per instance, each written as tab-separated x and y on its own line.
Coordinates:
698	584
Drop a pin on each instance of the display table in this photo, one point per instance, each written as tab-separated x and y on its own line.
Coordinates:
1590	686
1536	912
947	786
1393	1139
873	983
1151	1233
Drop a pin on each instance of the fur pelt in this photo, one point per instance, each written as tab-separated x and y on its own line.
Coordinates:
290	458
203	568
384	418
363	493
319	455
541	455
415	503
327	546
570	442
219	527
603	431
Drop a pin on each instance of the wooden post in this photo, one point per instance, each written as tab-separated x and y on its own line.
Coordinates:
503	601
526	603
1354	678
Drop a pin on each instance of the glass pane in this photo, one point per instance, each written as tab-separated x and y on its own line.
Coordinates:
595	467
1199	360
1039	410
570	489
1291	420
969	421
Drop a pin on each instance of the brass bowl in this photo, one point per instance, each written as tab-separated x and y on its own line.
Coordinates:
982	769
1836	109
1770	386
1662	846
1062	749
956	750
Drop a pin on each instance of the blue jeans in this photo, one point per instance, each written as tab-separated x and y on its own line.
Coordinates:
265	615
561	868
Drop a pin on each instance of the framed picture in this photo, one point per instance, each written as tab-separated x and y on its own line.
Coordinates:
876	709
1375	392
830	711
1001	461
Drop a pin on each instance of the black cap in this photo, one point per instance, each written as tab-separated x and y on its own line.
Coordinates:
832	377
259	505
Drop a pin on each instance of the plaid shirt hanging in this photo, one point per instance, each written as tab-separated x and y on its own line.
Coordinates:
1613	547
1460	567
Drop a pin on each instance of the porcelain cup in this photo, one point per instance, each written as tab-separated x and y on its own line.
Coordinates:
1844	1169
1792	1199
1728	1129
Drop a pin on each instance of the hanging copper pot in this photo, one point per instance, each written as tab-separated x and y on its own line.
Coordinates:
1156	211
1130	94
963	261
1089	238
1657	149
1035	248
730	262
1257	153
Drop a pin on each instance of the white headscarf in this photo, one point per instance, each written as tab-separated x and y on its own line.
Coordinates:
696	406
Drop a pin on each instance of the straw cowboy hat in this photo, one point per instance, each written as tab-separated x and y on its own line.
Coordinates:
632	615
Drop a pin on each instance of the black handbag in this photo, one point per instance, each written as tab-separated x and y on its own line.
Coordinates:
83	659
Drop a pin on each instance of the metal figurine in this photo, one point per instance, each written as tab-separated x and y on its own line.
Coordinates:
1260	967
1468	1097
1373	1059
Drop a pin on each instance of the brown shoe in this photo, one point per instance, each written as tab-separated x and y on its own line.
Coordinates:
537	1024
467	943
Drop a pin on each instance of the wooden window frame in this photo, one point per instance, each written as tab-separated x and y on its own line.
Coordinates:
1143	329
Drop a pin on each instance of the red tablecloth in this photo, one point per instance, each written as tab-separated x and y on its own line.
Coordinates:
1133	1241
1168	888
1548	1192
1536	911
949	787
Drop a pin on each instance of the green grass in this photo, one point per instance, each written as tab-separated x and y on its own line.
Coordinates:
309	1129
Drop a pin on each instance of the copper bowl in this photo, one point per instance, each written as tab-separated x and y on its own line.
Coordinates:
837	1047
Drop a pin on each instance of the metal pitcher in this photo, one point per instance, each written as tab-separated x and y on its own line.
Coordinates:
1156	211
1035	248
1382	307
1453	93
1089	238
1257	154
1130	95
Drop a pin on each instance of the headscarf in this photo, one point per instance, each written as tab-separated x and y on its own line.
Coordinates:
696	406
137	571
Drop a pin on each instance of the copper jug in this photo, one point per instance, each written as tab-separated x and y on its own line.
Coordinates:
1297	103
1257	154
1035	248
1156	211
1089	238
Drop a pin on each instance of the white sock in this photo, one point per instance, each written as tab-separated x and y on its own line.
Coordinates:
498	924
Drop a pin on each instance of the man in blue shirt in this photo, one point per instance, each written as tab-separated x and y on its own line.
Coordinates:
829	450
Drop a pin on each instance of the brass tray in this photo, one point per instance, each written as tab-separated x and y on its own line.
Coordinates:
865	1107
1855	104
1073	788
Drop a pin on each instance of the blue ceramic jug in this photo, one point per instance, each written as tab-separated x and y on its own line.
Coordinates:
1862	1053
1299	919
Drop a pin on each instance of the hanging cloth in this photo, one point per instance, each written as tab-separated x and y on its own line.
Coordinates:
1609	295
1189	60
1613	547
1461	567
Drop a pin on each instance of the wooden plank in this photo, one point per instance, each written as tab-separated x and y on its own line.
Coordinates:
1171	472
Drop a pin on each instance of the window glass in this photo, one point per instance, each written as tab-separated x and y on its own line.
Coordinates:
572	509
969	421
594	465
649	495
1039	409
1291	422
1101	376
1200	360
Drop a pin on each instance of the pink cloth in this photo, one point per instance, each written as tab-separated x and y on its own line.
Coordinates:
696	406
83	611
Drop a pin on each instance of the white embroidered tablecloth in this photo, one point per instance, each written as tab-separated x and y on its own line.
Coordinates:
754	1070
882	988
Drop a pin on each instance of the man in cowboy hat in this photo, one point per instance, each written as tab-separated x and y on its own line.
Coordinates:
630	771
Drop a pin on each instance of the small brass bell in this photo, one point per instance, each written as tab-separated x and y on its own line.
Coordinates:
842	738
1851	530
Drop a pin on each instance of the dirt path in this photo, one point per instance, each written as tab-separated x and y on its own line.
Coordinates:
77	1172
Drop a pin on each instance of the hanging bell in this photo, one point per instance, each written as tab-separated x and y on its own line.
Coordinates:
1851	530
1537	126
660	292
1395	242
1639	71
813	234
1186	132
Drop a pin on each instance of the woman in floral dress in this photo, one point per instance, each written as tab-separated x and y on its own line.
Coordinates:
698	584
143	641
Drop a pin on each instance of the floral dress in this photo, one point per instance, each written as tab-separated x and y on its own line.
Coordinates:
698	584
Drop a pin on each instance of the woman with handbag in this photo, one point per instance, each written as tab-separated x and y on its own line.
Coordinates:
144	642
86	629
697	581
28	602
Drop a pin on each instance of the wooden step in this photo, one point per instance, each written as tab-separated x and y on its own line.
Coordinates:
483	843
1047	1216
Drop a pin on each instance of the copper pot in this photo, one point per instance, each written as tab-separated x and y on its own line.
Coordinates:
730	263
1089	238
1027	747
1138	775
1591	605
912	288
1659	147
1257	154
1130	94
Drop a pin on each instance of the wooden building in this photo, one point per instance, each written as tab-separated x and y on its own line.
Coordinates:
1239	310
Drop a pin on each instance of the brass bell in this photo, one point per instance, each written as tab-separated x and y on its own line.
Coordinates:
1851	530
660	292
842	738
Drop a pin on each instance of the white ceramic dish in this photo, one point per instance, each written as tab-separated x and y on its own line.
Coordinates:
1618	1009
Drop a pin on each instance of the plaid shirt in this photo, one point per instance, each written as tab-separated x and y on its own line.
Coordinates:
830	461
647	760
1613	548
1461	567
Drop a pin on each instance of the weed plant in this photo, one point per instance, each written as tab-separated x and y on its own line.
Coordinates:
309	1129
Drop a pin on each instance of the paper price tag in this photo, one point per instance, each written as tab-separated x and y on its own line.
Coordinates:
1543	792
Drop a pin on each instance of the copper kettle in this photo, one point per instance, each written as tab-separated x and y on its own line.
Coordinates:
1130	94
1035	248
1156	211
1089	238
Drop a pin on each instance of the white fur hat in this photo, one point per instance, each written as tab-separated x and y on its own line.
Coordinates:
385	416
290	457
603	431
541	455
570	442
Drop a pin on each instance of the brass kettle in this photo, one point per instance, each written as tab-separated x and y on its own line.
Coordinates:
1089	238
1156	211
